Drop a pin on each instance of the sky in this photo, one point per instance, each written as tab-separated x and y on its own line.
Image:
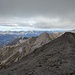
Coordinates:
24	15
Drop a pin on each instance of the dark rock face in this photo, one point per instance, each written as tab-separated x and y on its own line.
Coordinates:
15	41
55	58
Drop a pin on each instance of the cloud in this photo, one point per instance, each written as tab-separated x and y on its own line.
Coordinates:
29	8
37	14
56	23
52	22
40	22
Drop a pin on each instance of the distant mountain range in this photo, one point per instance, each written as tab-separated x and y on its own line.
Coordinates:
28	32
5	39
8	36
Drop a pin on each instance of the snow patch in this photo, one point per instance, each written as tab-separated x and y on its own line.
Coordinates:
16	60
20	50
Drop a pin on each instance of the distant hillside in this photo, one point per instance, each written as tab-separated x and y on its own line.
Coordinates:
15	41
4	39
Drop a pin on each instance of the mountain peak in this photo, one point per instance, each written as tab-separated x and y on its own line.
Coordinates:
69	35
44	34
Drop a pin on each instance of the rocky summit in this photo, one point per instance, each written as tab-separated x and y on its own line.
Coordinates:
54	58
18	48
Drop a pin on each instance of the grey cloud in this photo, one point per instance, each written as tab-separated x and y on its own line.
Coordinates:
7	25
62	9
43	25
36	7
15	25
61	24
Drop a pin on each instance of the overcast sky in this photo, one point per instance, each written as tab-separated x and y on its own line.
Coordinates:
37	14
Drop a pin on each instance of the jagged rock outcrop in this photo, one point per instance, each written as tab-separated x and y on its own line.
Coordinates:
41	40
17	40
55	35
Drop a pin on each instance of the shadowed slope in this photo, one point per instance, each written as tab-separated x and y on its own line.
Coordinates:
13	53
54	58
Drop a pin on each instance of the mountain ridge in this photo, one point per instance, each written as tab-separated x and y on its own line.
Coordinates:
53	58
14	53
